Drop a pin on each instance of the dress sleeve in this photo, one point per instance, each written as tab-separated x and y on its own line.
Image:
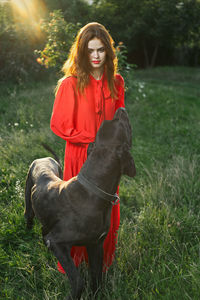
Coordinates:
64	115
120	89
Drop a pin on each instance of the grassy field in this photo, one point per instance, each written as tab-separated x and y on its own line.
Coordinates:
158	252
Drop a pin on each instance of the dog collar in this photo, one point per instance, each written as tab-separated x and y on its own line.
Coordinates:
114	199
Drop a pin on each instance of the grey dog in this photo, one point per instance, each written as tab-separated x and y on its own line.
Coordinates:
77	212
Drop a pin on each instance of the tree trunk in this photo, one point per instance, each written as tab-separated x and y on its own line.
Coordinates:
154	56
146	55
196	57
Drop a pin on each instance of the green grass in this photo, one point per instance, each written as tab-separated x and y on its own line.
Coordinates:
158	252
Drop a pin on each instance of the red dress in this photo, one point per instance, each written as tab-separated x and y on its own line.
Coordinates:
76	118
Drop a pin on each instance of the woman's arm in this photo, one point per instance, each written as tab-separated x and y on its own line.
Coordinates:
63	119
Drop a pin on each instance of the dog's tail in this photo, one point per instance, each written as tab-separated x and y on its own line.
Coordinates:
48	148
28	212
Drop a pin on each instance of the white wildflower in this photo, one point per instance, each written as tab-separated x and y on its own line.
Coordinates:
18	189
141	85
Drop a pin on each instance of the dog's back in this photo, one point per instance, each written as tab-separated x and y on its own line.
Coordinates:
40	170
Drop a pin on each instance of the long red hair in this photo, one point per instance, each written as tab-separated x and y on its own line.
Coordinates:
78	64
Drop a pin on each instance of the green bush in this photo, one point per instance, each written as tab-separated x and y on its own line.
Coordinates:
124	66
59	38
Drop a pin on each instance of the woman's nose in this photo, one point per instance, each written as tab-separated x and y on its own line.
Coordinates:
96	54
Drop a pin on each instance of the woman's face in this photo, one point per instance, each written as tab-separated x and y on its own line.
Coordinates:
97	53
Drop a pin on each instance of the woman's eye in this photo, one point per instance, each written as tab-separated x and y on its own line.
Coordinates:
101	50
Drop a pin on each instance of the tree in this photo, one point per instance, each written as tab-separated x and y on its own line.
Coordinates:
152	28
74	11
188	33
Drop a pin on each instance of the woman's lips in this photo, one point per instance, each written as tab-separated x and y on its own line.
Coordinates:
96	61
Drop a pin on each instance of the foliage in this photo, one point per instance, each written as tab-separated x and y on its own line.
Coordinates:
124	67
17	60
59	36
76	11
158	245
188	33
151	29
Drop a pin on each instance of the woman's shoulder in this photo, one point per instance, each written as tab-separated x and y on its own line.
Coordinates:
70	80
66	84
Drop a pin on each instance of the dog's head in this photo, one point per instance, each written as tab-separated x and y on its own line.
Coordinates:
117	134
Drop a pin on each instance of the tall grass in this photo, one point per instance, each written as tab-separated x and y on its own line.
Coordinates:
158	251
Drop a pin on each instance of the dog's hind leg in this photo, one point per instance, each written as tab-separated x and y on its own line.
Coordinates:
95	255
62	253
28	212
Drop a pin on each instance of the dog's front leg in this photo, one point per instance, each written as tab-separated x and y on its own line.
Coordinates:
62	253
95	255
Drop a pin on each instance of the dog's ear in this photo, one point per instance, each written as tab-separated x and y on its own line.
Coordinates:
90	148
126	161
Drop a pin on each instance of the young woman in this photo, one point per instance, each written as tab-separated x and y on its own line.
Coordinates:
89	93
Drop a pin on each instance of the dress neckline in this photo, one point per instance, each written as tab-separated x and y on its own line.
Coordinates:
97	80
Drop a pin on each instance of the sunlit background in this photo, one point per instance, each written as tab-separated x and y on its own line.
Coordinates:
29	13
